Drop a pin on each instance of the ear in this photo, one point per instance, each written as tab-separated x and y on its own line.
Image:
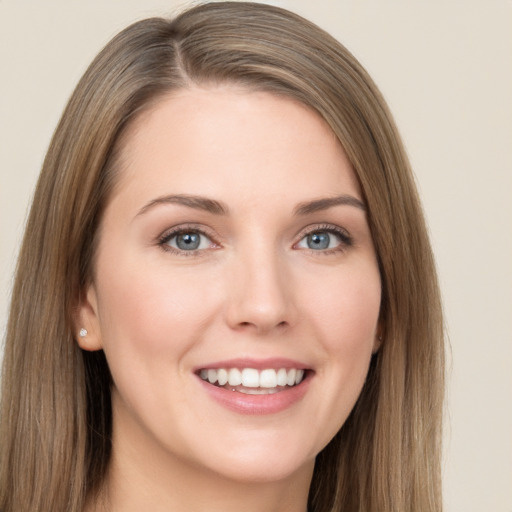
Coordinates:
379	337
87	324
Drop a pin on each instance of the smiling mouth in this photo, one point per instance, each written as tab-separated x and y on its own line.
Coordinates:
253	382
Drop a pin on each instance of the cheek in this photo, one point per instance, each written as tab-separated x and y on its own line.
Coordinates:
347	314
344	319
150	310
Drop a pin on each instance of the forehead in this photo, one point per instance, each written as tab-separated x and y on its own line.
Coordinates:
213	139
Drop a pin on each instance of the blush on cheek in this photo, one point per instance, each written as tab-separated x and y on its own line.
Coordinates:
155	311
355	320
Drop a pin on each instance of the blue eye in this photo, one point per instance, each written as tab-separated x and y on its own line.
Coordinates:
318	241
322	240
187	241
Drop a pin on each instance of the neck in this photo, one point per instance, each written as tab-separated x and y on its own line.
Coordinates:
198	493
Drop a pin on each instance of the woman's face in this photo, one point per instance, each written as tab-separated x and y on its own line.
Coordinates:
235	249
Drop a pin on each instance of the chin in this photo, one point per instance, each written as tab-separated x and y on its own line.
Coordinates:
261	460
265	470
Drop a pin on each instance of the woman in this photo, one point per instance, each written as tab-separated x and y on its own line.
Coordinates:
225	296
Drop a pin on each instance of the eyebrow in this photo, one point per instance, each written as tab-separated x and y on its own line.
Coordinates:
328	202
196	202
218	208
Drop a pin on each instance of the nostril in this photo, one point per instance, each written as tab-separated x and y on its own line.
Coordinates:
258	326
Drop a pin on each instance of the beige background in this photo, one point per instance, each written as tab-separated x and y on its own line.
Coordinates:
445	68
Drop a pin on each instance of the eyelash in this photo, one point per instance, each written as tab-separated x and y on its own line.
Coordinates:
345	239
164	240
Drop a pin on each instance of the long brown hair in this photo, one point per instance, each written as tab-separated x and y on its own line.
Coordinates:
56	413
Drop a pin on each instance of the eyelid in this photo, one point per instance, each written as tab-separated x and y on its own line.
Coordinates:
342	233
170	233
162	241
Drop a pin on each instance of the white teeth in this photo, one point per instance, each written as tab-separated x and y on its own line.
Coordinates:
268	379
251	378
258	391
222	376
234	377
282	377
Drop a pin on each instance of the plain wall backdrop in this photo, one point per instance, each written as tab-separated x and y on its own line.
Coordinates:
445	69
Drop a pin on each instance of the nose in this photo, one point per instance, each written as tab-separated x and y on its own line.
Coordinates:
261	297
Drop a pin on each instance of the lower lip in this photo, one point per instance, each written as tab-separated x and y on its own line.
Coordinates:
257	404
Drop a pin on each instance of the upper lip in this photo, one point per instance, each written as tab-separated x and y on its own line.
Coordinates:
257	364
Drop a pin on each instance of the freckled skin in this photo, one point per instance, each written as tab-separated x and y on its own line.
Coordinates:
254	288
